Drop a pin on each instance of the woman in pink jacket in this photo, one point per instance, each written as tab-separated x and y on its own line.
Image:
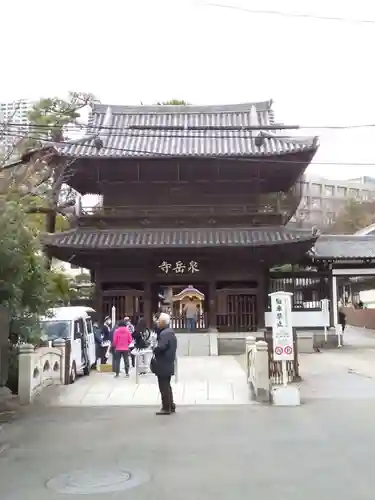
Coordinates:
122	338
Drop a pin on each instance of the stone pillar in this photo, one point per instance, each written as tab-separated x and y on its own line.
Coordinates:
262	389
60	345
250	345
25	373
212	327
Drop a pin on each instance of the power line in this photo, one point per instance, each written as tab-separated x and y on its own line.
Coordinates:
178	135
292	14
148	153
98	128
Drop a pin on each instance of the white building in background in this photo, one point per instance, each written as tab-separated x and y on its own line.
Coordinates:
323	199
14	120
68	269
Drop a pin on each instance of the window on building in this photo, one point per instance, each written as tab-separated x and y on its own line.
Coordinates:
316	189
341	191
304	203
353	193
365	195
328	205
316	203
329	218
329	190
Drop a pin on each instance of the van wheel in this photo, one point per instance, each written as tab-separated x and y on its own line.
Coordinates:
86	370
73	374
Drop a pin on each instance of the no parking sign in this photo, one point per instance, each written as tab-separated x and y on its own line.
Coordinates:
282	328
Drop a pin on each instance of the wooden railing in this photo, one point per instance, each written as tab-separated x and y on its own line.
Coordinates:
181	323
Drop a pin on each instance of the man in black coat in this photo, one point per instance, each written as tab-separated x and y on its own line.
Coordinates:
163	363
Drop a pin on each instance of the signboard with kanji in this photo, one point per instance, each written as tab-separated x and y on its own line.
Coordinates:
282	328
179	267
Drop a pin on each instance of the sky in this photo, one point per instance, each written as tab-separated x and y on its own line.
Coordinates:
318	72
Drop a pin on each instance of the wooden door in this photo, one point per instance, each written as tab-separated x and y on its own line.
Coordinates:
240	315
129	303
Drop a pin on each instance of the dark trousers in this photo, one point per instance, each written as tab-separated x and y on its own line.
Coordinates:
191	323
125	356
101	354
132	357
166	393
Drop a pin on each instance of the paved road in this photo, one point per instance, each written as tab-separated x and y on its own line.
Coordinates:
325	448
201	380
206	453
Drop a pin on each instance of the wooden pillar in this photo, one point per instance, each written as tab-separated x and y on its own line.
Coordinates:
147	300
212	306
98	300
262	297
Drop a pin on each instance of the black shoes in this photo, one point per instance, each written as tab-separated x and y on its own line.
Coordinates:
163	412
166	412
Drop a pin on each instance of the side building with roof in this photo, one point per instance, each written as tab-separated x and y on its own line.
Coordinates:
193	196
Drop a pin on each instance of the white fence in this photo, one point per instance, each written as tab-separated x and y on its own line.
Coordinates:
40	368
304	319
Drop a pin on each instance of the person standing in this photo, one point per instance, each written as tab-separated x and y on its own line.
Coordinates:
163	363
129	324
99	349
122	338
141	337
191	315
106	338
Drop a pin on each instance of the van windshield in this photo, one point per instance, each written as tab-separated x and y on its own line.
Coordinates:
52	330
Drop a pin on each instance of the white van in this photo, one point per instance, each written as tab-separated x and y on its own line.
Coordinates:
74	324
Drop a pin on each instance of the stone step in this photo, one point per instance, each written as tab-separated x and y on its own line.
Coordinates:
202	344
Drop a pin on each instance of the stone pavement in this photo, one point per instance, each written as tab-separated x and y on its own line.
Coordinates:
345	373
208	453
201	380
324	448
197	344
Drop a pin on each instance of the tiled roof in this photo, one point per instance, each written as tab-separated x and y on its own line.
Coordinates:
343	247
114	125
197	237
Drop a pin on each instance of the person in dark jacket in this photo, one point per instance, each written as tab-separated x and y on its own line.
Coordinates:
99	349
106	338
139	335
163	363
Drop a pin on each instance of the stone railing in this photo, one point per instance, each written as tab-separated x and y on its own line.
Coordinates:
39	368
364	318
258	377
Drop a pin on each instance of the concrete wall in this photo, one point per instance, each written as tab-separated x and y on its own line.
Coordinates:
360	317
